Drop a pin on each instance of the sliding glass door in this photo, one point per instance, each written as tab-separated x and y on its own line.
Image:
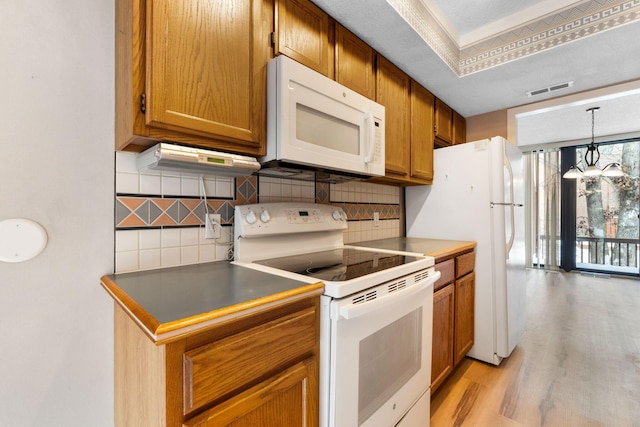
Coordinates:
542	172
607	229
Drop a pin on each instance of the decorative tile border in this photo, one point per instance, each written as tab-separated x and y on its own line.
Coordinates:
365	211
582	20
322	192
136	211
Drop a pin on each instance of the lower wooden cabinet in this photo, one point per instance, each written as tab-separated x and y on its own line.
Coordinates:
258	369
464	316
443	335
453	315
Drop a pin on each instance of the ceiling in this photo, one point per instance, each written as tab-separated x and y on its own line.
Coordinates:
482	56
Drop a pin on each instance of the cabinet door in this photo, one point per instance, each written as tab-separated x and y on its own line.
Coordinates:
421	133
354	63
206	69
459	129
443	127
392	91
443	330
304	33
465	300
286	400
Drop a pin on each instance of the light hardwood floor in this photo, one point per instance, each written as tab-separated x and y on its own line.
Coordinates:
578	364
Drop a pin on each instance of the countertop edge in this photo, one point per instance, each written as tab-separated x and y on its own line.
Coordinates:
445	253
146	321
162	333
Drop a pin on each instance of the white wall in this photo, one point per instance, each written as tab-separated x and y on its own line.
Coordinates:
56	167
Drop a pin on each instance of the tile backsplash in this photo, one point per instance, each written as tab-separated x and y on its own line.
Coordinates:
159	216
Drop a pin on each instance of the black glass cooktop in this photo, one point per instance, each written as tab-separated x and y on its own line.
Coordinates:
338	265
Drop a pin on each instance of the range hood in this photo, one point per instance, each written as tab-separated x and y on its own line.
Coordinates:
280	169
198	161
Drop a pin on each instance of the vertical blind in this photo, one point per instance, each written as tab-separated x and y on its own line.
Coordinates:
542	183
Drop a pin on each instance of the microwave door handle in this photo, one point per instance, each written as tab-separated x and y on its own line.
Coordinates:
368	118
407	294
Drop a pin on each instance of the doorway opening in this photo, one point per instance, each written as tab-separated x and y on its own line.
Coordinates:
600	215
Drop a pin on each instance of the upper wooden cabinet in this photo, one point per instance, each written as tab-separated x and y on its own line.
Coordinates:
392	91
354	63
459	129
305	33
443	129
421	134
192	72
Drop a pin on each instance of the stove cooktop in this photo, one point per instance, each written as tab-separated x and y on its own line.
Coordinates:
338	265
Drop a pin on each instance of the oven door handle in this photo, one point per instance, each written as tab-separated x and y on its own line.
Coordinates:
407	294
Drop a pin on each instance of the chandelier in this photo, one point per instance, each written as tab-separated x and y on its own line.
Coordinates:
591	157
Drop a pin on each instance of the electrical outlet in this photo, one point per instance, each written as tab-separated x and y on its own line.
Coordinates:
376	219
212	226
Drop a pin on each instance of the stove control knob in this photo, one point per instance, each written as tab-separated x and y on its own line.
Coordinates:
265	216
339	216
250	217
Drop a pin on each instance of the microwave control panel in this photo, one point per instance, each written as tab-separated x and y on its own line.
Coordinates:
377	155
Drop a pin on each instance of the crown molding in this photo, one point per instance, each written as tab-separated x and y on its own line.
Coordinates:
563	26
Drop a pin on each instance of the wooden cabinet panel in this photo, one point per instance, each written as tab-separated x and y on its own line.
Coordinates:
354	63
421	133
218	368
278	401
465	301
392	91
447	273
465	263
305	33
443	335
260	368
459	129
172	84
443	124
453	314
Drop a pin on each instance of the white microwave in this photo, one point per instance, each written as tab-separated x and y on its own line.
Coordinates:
316	122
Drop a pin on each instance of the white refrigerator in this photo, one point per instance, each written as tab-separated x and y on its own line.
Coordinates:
478	195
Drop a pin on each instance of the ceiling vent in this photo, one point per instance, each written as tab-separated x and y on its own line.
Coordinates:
549	89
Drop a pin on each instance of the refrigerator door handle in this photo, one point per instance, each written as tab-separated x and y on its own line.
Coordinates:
517	205
507	166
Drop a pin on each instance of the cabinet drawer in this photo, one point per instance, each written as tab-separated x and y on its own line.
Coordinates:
263	404
234	362
465	263
446	269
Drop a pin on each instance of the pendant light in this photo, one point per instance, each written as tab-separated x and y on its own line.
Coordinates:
591	157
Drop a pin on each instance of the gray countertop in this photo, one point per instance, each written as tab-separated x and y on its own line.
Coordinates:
165	300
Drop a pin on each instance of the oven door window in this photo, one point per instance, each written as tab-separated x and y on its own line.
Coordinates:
388	359
380	355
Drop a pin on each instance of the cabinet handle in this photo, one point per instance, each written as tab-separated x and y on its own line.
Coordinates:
143	103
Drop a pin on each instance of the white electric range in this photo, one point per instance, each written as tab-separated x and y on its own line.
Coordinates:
376	311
